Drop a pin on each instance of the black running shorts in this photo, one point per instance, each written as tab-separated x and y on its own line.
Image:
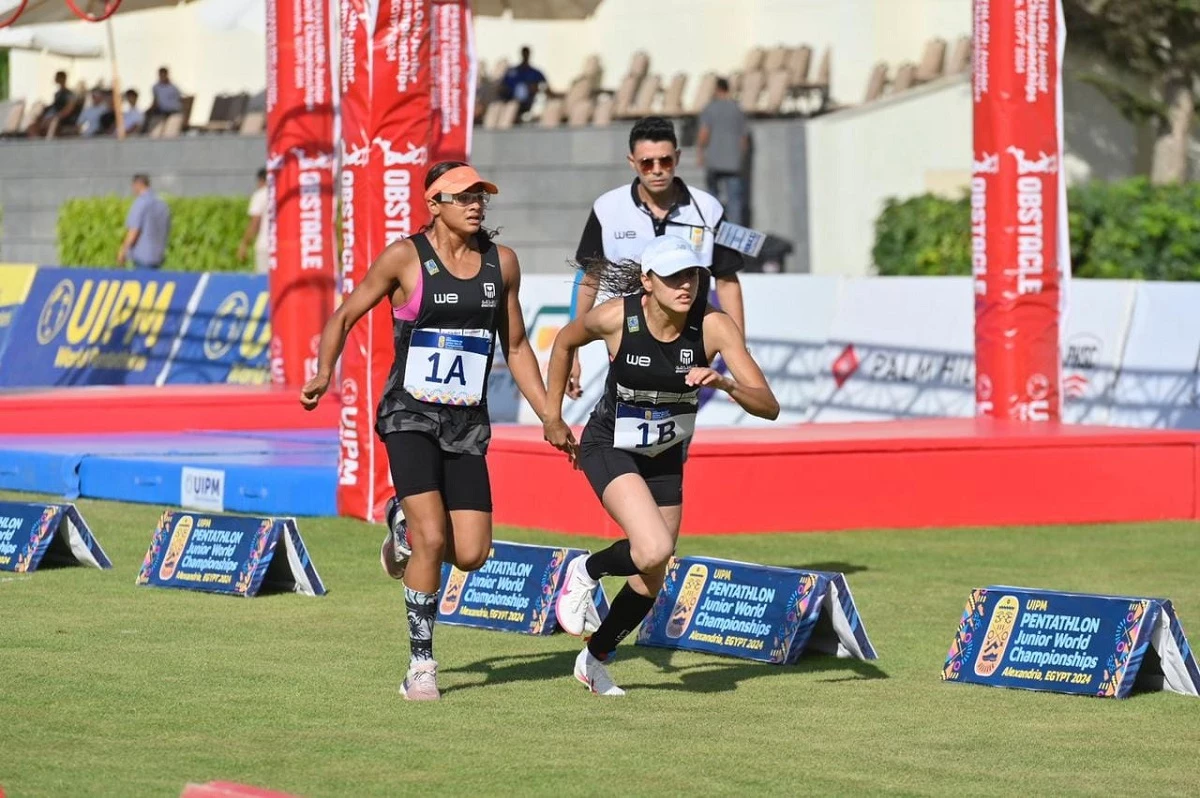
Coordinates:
419	466
602	463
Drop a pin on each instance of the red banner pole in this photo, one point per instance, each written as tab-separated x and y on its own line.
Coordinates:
300	168
1018	222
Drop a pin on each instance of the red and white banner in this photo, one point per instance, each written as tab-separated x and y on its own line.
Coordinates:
387	129
453	76
1020	247
300	175
362	461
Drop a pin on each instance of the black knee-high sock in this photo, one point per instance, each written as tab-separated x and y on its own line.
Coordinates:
627	611
613	561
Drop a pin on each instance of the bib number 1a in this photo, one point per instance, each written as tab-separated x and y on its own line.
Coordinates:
447	367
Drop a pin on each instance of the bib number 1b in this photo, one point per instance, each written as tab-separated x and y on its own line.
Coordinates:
650	431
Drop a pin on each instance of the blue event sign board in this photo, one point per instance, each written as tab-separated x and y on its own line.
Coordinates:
228	336
96	327
514	591
756	612
118	327
236	555
34	534
1076	643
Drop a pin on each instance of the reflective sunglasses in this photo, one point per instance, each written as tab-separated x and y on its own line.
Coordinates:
665	164
465	198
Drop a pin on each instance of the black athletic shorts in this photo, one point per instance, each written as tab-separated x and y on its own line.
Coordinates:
419	465
603	463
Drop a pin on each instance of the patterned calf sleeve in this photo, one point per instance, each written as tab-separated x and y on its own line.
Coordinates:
422	609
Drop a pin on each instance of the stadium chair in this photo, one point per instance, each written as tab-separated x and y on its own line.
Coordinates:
554	113
603	115
580	114
813	96
626	95
13	111
754	59
673	98
776	93
932	61
960	57
33	112
877	82
798	63
751	90
491	117
906	78
253	123
509	112
776	59
704	94
639	64
647	96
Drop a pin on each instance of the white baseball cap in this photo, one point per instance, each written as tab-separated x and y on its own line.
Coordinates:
667	255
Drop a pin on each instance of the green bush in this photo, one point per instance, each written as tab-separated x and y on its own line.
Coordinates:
205	232
1127	229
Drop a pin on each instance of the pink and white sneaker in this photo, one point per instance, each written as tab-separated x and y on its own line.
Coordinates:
420	683
594	675
575	606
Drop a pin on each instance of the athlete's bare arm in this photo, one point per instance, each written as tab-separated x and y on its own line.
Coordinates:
748	387
585	300
729	294
601	323
522	362
393	272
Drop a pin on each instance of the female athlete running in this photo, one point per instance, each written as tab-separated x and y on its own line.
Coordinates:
452	292
661	336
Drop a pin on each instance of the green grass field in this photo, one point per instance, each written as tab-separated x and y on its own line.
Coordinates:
116	690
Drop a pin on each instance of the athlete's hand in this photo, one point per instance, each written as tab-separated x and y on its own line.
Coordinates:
559	435
574	381
312	392
706	377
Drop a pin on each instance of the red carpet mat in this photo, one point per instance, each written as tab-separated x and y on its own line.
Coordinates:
945	472
166	409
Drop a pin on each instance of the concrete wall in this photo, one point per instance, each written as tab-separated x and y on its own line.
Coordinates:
548	178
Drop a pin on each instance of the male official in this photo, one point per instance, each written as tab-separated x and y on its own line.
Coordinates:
624	220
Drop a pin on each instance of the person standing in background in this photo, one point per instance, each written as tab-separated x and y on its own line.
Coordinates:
721	147
256	228
147	227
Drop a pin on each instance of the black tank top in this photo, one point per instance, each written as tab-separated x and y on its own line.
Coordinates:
647	408
438	382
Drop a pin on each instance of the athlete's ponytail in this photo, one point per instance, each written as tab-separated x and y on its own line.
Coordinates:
615	279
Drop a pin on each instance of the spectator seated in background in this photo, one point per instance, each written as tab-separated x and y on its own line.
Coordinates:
522	83
97	117
64	107
134	118
167	99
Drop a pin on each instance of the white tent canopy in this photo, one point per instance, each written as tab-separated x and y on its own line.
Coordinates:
68	45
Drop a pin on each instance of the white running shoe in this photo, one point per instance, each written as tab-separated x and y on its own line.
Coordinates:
395	551
575	606
420	683
594	675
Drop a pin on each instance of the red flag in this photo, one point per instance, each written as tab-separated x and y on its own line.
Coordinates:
1018	222
300	170
453	76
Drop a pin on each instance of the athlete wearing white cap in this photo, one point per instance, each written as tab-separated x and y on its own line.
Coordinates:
661	335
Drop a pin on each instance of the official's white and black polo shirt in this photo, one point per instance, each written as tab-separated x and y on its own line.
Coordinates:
621	225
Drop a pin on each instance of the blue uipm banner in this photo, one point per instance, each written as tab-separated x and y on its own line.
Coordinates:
757	612
1076	643
53	534
514	591
236	555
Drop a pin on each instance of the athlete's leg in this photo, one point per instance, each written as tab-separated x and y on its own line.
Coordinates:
416	463
469	501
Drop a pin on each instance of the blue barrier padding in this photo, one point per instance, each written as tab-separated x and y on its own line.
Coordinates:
53	472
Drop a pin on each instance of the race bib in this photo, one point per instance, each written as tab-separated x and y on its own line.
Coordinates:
447	367
649	431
